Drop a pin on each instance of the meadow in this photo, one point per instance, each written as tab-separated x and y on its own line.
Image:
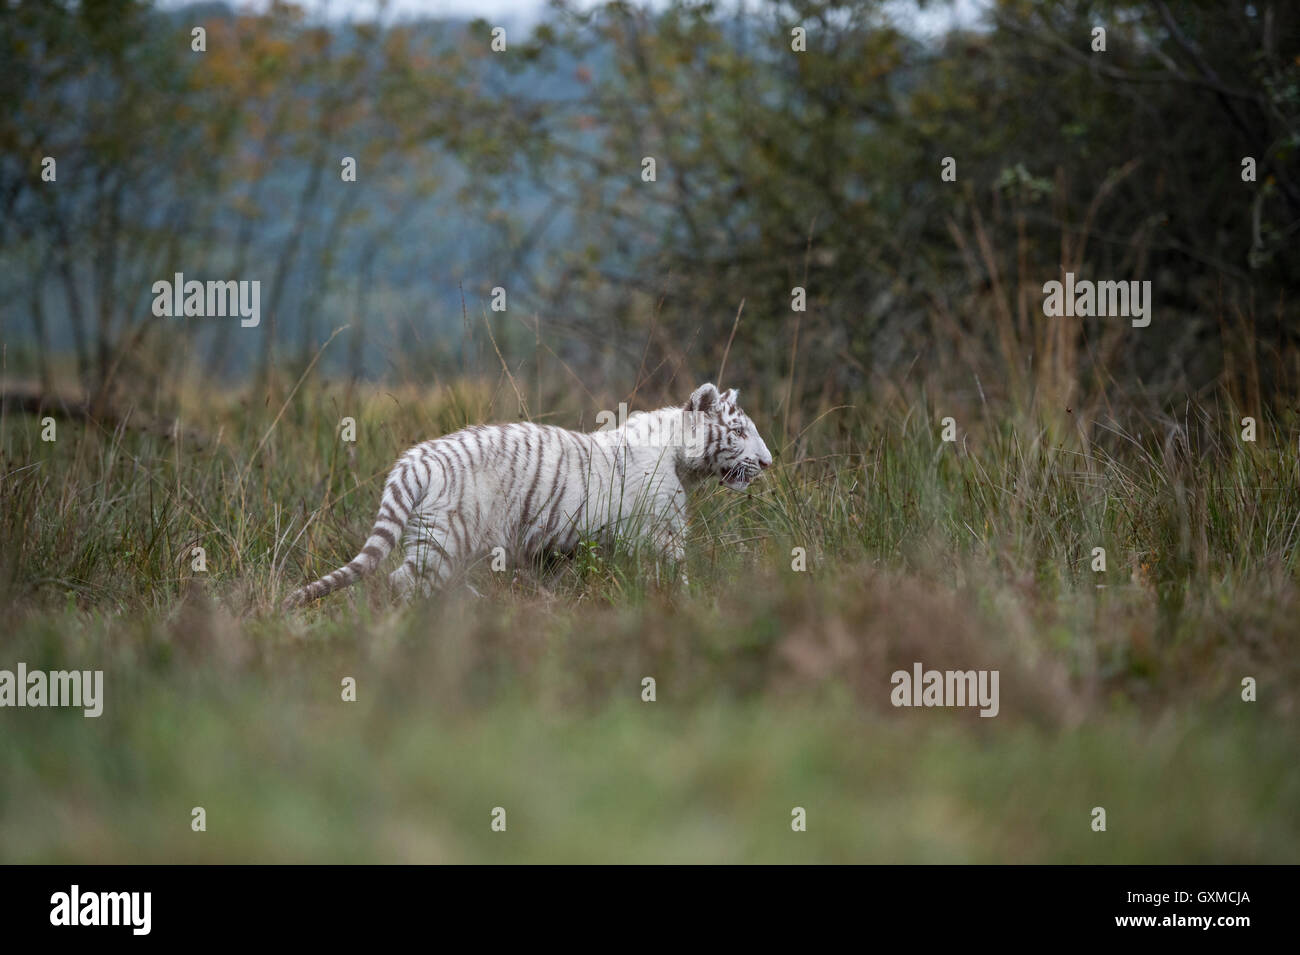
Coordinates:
1121	688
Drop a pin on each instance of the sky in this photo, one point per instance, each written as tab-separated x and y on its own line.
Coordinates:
936	18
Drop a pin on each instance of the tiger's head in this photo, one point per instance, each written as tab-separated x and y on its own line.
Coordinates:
727	442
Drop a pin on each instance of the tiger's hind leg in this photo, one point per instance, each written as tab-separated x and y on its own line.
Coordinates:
406	581
420	577
428	565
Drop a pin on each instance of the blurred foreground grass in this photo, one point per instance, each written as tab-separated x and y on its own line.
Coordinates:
772	685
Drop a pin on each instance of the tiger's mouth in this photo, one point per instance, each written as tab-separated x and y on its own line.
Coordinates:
739	477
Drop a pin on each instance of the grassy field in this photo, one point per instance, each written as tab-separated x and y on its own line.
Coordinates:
1119	689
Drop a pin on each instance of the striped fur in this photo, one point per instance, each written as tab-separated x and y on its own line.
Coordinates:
535	489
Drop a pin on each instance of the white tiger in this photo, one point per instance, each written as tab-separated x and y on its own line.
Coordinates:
535	489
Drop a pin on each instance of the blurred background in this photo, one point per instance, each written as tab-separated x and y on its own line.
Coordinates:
522	170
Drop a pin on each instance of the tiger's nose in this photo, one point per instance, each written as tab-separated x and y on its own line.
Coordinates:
764	464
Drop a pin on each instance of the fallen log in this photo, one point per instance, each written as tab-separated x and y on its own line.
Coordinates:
67	407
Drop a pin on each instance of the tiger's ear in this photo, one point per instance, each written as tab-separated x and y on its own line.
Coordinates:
730	397
703	398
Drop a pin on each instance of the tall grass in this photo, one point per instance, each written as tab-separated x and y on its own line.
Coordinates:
773	683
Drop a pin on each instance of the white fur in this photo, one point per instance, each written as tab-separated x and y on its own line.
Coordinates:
532	489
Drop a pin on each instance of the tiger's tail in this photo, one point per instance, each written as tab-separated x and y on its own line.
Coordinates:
403	489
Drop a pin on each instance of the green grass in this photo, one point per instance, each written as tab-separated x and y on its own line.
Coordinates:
772	685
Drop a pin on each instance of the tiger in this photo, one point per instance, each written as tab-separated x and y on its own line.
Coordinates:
525	490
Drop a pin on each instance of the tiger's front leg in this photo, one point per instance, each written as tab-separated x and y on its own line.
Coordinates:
670	548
